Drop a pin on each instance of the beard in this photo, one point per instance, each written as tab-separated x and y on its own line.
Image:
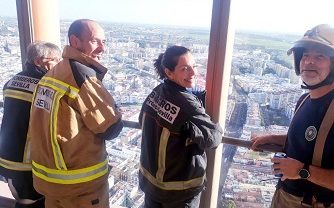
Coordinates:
312	76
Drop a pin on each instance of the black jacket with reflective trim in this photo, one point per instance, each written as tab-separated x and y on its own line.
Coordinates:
176	132
17	101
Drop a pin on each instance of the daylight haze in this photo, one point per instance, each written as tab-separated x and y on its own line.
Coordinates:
260	15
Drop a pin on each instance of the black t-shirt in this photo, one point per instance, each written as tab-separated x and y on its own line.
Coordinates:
301	141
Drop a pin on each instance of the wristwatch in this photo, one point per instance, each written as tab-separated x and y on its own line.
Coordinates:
304	173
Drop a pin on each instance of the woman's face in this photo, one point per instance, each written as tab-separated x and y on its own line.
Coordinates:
185	71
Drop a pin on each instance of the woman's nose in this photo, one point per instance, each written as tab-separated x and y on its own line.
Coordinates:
193	71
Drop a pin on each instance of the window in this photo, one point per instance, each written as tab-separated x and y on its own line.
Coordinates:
263	92
10	53
137	32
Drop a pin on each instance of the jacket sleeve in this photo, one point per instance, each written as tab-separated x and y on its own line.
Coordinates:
113	131
201	130
98	110
201	95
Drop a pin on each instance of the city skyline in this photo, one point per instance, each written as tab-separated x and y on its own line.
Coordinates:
259	15
130	53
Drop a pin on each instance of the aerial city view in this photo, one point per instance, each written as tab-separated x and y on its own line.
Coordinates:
263	91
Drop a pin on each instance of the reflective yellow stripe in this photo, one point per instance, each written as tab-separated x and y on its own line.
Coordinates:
60	86
174	185
158	180
57	154
27	148
11	165
162	154
18	95
25	96
61	89
70	176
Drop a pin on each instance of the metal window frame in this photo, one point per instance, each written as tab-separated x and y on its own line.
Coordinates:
25	25
217	84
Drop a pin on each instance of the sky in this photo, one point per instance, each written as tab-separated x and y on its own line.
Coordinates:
286	16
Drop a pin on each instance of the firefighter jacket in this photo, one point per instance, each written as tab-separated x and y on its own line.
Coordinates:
72	115
176	132
14	155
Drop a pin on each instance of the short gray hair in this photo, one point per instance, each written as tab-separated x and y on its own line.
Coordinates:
41	49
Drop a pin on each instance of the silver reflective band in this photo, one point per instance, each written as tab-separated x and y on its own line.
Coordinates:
11	165
172	185
60	86
70	176
18	95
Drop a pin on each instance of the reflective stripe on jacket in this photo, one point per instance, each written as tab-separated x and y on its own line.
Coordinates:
15	160
70	110
176	133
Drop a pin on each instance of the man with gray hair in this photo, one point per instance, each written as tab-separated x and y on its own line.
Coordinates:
15	163
44	55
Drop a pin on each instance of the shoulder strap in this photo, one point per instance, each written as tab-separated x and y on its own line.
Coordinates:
325	126
299	104
302	102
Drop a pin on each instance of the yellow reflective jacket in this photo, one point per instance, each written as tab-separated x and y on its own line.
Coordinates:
71	116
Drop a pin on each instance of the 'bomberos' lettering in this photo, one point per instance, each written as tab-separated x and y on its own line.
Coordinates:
23	83
165	109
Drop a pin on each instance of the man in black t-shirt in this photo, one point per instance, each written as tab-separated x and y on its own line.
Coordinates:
308	170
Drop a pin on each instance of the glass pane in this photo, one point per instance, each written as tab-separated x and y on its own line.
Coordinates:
10	53
263	91
137	32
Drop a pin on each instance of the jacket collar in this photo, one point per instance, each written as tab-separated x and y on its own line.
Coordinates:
72	53
34	68
174	85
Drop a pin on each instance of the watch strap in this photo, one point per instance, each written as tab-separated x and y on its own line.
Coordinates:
306	167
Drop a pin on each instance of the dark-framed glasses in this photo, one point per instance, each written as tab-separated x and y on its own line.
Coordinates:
54	59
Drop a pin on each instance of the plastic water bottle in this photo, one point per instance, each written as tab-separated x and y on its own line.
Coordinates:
279	155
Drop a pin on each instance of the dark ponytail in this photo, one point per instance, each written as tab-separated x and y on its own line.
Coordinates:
160	70
169	59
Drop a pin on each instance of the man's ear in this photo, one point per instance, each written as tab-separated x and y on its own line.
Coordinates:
74	41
